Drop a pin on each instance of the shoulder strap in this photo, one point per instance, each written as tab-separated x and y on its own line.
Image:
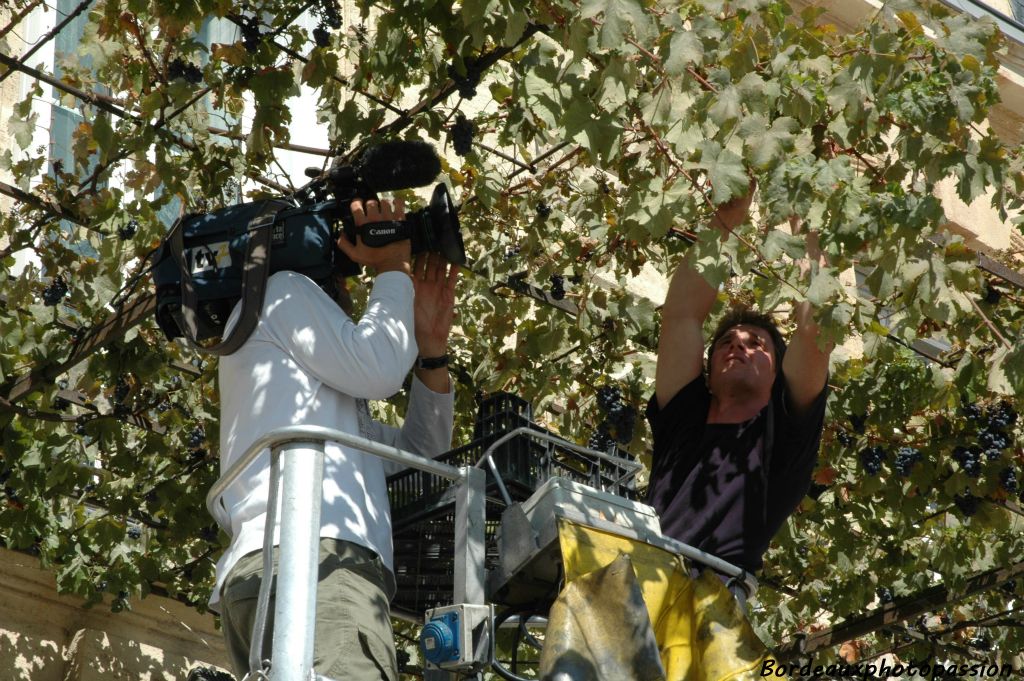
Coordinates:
254	283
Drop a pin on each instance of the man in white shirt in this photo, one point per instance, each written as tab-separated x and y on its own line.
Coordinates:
308	363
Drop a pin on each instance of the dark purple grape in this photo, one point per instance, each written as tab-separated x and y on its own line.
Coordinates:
871	458
607	397
967	503
321	36
557	286
462	135
906	457
1008	479
55	292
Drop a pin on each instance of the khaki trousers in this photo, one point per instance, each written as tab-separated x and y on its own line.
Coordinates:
353	639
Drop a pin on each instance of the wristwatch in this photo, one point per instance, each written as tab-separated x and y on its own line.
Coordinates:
432	362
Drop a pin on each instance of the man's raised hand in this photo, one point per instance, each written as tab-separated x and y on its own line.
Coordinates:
393	257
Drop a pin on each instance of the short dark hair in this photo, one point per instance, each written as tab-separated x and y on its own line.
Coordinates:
745	315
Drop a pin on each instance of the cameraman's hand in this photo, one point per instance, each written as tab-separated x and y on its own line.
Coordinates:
393	257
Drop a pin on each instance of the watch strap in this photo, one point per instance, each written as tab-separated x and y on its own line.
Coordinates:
432	362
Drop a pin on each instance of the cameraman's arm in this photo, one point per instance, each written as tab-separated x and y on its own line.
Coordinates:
427	428
369	359
687	304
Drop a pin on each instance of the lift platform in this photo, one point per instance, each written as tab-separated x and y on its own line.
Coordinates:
475	528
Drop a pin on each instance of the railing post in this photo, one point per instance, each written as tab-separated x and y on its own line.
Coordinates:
295	605
470	540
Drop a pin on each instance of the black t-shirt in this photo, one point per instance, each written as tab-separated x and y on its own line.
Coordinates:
712	484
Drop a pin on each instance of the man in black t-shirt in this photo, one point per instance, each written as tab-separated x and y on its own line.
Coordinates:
735	445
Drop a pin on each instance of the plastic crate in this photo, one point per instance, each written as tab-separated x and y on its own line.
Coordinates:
423	505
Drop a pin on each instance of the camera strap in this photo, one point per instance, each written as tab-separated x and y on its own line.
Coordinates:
254	283
377	234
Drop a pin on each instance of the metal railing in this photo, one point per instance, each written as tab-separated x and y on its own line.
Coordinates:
296	458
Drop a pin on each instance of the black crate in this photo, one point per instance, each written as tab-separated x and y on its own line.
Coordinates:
423	505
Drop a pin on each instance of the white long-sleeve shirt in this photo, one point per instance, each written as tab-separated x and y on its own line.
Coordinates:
308	363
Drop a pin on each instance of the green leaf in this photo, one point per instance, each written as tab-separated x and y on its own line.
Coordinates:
725	171
103	134
684	49
619	17
726	107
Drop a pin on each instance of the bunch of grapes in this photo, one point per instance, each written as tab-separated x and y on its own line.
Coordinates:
321	36
196	437
884	595
1008	479
543	210
129	230
329	17
512	252
619	418
969	460
251	35
134	532
601	439
179	68
462	135
967	503
992	294
557	286
994	439
871	458
607	396
844	438
329	13
121	390
906	457
466	84
1002	416
972	412
55	292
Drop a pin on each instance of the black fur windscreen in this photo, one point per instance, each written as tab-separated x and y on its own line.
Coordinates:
398	164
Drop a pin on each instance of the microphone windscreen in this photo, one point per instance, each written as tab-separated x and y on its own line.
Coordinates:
399	164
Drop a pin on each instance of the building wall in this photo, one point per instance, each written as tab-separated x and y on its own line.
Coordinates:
45	636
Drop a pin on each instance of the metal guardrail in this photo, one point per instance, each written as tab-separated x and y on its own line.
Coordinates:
548	437
297	454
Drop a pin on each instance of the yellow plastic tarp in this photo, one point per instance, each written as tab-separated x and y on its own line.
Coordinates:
701	632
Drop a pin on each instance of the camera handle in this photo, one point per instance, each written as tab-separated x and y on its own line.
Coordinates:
377	234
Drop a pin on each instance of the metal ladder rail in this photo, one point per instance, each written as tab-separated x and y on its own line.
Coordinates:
300	450
667	543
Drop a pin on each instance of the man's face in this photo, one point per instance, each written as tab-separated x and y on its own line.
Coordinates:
744	356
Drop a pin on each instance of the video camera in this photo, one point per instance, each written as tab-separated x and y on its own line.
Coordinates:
387	167
210	261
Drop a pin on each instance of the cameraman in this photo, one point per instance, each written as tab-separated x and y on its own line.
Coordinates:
735	441
308	363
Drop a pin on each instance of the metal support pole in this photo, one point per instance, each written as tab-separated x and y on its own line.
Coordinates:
469	537
295	605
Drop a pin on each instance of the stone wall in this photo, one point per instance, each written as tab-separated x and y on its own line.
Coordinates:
45	636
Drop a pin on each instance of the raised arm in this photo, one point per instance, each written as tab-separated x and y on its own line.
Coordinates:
687	304
805	365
